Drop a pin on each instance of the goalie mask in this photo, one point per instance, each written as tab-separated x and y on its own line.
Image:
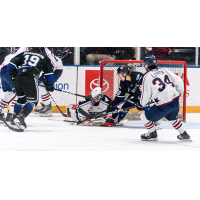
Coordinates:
124	69
97	95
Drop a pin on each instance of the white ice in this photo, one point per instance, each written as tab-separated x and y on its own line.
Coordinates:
49	134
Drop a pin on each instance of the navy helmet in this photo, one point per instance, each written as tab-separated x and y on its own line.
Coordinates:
150	60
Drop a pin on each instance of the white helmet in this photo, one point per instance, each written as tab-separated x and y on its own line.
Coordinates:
97	94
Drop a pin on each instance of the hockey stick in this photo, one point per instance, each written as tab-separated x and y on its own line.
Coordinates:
99	114
87	97
63	114
120	104
123	102
62	120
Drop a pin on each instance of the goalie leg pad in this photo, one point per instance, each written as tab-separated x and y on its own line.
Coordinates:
109	121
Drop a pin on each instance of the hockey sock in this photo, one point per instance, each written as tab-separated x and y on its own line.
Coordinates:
8	96
150	126
46	99
3	105
177	124
12	106
28	108
17	108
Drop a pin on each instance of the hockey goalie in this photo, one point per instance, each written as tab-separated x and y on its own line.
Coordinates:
92	112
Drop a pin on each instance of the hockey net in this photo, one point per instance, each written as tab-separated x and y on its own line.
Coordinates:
109	81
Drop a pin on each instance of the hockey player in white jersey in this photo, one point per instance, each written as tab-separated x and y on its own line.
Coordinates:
46	110
87	110
8	85
164	88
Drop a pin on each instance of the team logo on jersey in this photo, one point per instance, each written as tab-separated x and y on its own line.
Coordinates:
90	109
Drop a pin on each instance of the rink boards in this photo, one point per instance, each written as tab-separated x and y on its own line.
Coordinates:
81	79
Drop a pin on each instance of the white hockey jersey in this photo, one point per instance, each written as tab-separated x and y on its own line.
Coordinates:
161	86
55	61
12	55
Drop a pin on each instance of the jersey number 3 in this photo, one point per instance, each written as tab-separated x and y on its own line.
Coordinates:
161	83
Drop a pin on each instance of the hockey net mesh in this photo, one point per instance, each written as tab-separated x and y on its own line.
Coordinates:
109	80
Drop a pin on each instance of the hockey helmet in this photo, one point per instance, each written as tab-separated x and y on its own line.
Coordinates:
97	95
151	61
124	69
37	49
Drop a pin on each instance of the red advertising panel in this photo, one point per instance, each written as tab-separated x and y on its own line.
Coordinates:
91	81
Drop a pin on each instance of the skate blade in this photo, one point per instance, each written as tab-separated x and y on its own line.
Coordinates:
46	115
186	140
151	139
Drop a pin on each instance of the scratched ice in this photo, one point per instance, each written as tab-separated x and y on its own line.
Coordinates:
44	134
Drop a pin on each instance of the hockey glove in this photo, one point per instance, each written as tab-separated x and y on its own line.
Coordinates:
110	107
139	106
50	88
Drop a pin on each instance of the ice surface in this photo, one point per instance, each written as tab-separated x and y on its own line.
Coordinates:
50	134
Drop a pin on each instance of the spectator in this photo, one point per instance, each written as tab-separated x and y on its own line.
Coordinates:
96	54
4	51
64	53
161	53
125	53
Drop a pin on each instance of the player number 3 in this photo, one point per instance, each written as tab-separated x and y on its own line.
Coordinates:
161	83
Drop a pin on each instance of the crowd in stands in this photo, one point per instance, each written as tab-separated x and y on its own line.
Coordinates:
92	55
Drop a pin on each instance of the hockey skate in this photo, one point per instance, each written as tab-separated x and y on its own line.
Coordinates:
46	111
184	137
8	117
1	116
149	136
20	121
123	119
37	110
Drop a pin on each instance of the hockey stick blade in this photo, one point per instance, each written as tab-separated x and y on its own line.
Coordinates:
10	127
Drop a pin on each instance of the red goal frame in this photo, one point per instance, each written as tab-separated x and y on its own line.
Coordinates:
102	64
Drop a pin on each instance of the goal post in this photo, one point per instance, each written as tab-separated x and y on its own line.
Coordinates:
109	81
